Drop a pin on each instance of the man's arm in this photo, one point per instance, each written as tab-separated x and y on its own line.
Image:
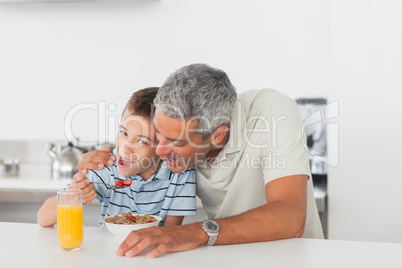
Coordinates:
282	217
97	159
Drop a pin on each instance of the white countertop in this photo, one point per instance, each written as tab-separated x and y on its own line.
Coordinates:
29	245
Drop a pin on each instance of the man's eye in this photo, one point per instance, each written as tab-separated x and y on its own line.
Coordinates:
123	133
142	142
178	144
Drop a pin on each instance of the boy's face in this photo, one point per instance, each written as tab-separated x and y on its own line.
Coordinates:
135	144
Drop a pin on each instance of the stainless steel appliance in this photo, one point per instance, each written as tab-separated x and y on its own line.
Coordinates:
312	111
9	167
64	160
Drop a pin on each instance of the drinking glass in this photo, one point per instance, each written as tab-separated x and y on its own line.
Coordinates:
70	226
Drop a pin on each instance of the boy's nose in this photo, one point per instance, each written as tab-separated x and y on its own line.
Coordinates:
126	149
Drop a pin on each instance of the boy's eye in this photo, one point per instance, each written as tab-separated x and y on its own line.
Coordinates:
123	133
142	142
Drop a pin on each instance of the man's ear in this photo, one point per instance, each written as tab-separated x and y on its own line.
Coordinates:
220	136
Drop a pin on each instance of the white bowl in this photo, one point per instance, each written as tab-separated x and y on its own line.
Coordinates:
125	229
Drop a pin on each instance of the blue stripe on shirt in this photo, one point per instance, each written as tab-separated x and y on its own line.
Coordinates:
165	193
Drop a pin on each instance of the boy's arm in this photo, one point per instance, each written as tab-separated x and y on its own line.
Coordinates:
47	214
184	198
172	220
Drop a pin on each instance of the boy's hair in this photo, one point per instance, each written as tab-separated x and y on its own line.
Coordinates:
141	102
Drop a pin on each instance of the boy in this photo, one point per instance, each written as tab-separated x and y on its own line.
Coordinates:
154	189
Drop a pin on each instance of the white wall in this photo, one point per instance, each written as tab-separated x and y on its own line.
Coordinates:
365	200
57	55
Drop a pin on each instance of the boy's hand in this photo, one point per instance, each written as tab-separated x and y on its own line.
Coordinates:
80	181
97	159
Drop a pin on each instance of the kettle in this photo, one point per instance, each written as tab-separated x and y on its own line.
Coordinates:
64	161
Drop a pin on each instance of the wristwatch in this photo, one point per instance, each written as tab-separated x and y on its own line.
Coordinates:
212	229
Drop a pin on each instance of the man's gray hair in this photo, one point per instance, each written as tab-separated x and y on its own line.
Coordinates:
199	92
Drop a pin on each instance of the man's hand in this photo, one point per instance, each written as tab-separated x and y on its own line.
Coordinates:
97	159
283	216
165	239
81	182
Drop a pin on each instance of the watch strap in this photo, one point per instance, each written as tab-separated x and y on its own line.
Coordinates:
212	238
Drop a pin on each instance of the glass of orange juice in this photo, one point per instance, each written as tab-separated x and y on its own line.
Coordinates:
70	226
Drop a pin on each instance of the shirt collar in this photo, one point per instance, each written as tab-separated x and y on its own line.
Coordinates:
163	174
237	122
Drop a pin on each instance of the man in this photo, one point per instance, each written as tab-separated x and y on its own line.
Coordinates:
251	163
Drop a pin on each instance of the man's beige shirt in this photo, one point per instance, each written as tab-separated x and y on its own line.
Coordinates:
266	143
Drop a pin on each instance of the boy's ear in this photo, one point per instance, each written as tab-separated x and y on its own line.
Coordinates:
219	135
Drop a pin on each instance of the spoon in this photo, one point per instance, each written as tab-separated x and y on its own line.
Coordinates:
118	185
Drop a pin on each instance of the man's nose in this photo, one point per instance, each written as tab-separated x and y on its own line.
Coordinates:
163	148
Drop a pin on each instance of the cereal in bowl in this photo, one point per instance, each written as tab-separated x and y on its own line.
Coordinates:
128	218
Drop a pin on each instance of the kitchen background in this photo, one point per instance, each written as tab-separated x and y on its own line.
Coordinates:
80	61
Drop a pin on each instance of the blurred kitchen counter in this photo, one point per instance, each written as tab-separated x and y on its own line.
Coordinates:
33	184
23	195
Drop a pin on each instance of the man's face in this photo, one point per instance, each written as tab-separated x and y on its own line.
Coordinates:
178	144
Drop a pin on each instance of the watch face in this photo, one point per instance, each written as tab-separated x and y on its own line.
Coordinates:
212	226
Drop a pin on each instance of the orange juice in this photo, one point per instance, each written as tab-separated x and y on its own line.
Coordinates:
70	226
